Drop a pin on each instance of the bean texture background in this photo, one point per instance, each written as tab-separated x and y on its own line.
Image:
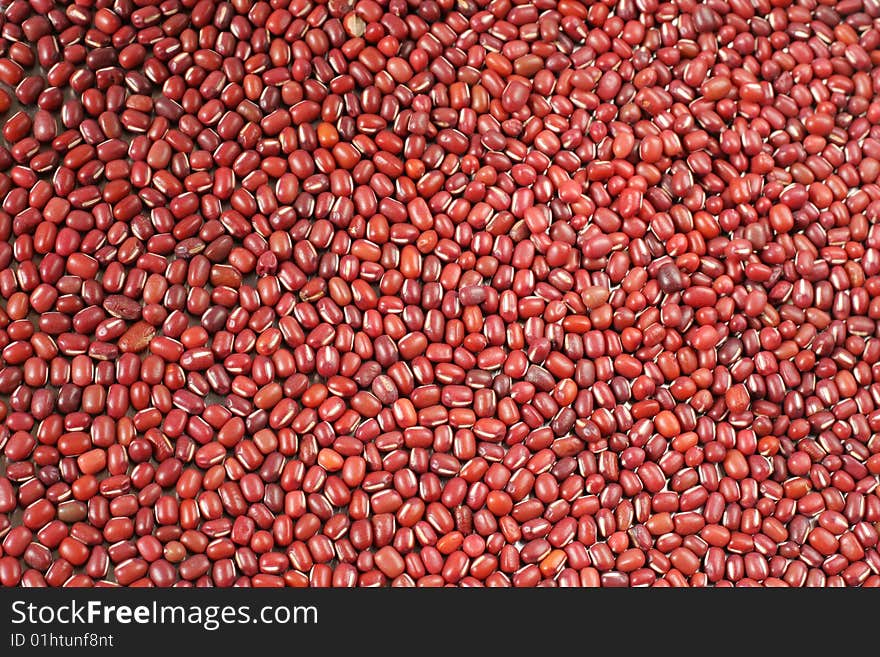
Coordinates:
433	292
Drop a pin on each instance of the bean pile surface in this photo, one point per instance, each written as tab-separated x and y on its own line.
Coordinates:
440	292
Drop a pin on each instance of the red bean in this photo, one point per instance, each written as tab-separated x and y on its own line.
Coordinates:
527	296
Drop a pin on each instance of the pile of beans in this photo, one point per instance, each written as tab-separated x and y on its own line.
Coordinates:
440	292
